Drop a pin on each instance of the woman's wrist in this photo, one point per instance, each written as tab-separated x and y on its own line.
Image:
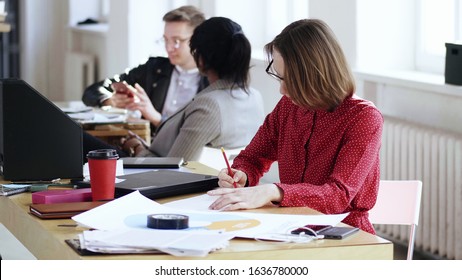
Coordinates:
276	194
156	119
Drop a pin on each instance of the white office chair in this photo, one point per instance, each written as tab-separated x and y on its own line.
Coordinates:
398	203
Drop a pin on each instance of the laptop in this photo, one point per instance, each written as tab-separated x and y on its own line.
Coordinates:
164	183
152	162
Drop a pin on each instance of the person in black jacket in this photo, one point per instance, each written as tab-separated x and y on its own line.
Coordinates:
162	85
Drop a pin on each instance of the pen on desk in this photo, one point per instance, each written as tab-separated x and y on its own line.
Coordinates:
230	172
143	142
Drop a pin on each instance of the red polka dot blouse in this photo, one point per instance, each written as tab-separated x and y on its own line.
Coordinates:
328	161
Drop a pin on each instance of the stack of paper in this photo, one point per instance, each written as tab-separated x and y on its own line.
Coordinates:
9	189
179	243
93	117
122	226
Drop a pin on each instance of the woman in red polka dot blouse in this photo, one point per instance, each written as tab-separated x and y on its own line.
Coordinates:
325	139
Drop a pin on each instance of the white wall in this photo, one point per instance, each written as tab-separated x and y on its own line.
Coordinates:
82	10
341	17
117	38
134	26
43	43
416	97
145	27
246	17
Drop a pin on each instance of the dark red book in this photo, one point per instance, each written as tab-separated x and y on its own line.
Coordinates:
62	210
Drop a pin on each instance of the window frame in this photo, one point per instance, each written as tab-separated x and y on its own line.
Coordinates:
428	62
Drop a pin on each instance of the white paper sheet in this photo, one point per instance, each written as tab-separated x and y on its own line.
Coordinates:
174	242
131	211
97	118
199	203
277	223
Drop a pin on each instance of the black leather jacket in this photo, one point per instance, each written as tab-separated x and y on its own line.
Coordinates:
154	76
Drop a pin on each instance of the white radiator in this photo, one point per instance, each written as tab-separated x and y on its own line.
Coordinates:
411	151
80	73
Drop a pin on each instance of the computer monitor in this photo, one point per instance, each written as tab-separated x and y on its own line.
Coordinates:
38	141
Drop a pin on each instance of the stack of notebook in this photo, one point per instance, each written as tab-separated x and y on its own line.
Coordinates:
62	210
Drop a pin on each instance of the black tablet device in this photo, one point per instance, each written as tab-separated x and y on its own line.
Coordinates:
165	183
152	162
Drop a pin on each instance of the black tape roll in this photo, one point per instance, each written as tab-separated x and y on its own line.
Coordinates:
168	221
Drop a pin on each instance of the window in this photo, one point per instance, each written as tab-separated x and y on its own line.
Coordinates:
261	20
438	22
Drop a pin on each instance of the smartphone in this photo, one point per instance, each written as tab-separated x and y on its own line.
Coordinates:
338	232
316	228
121	88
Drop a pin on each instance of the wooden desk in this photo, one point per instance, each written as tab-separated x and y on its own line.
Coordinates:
112	132
4	27
45	238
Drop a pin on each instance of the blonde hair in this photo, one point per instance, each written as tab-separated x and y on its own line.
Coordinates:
189	14
316	73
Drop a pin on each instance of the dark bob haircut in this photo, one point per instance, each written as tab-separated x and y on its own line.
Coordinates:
219	44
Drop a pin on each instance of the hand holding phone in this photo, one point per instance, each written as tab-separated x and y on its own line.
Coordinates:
122	88
134	135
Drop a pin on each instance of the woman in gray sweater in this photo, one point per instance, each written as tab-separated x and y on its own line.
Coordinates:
225	114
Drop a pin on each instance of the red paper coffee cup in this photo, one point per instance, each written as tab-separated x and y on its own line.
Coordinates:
102	165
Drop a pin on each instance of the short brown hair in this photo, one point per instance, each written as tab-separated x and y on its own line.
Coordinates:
189	14
316	73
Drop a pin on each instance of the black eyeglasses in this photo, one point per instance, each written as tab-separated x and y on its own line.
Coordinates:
274	75
176	42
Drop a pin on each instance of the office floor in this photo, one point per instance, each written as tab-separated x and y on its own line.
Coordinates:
400	253
19	252
11	248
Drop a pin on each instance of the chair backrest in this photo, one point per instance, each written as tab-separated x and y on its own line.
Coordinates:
213	157
398	203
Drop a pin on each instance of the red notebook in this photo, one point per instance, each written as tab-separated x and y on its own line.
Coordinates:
60	196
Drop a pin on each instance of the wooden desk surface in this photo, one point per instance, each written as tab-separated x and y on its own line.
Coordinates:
46	238
5	27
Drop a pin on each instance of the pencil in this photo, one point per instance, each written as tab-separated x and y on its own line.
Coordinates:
230	172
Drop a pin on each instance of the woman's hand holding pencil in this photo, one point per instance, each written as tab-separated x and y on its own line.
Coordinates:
231	178
233	196
230	171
